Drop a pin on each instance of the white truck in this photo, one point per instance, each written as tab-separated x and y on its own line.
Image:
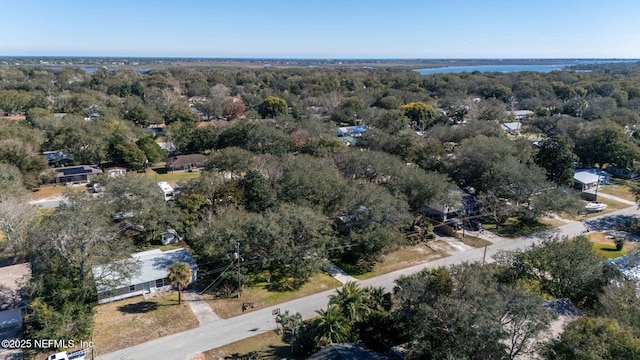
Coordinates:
75	355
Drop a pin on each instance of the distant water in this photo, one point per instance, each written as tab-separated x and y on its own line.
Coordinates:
91	70
511	68
492	68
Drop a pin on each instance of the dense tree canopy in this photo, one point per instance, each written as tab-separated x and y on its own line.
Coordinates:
292	193
273	107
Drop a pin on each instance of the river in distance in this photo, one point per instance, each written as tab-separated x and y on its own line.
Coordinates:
512	68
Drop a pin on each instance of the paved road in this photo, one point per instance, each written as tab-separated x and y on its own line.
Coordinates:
218	333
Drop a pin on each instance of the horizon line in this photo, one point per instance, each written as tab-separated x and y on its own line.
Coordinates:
313	58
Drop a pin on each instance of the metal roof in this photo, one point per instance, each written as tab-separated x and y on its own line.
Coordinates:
590	176
153	266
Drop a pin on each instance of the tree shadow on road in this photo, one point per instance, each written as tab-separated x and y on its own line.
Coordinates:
616	222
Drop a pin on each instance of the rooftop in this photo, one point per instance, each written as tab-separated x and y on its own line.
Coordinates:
590	176
78	170
347	352
13	279
153	266
189	159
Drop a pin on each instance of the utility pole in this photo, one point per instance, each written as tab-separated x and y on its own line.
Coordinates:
595	199
237	255
484	256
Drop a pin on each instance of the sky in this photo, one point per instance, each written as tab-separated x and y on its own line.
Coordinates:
327	29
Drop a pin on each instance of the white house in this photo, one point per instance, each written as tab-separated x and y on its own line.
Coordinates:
153	275
587	179
521	114
512	128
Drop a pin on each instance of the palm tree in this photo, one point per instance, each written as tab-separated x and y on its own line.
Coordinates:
351	300
331	327
374	297
179	276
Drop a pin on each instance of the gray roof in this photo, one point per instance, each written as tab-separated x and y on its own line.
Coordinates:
189	159
78	170
153	266
589	176
520	113
629	265
562	307
512	126
347	352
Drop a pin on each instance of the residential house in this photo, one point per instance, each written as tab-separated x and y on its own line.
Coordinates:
520	115
623	172
587	179
343	351
513	128
354	131
13	282
169	147
350	134
56	157
76	174
190	162
153	275
459	204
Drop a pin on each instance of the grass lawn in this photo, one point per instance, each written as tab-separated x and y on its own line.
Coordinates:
606	247
51	191
132	321
408	256
552	222
161	174
475	241
268	346
261	297
622	191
